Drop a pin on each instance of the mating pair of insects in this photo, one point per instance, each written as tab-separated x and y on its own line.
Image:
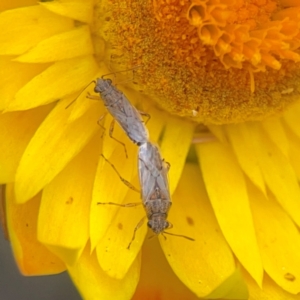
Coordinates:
153	170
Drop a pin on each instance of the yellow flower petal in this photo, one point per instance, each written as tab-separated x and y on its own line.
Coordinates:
218	131
73	43
113	256
293	133
157	280
80	104
19	30
175	145
156	123
239	138
278	240
13	76
270	290
233	287
202	265
275	131
277	171
110	188
227	192
63	221
54	144
3	217
81	10
5	5
291	116
94	284
294	150
16	130
62	78
32	257
112	226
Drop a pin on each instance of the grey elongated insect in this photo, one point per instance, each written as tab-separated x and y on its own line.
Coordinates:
122	111
128	117
155	193
153	171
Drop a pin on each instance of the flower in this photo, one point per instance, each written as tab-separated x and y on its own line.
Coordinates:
225	74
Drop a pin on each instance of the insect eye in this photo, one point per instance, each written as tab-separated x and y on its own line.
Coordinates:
168	225
97	88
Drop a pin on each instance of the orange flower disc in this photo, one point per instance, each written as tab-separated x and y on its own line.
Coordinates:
215	61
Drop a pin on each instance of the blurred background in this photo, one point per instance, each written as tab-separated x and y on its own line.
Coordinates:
14	286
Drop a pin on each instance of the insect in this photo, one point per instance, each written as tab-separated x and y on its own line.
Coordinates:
153	171
156	199
128	117
122	111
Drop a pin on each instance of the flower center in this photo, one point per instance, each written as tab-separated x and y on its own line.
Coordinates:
215	61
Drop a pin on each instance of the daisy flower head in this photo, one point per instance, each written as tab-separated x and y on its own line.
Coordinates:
219	79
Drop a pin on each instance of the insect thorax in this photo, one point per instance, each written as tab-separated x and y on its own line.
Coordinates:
157	206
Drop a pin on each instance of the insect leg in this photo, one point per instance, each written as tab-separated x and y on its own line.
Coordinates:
100	119
126	182
122	205
145	115
93	97
179	235
140	223
111	129
167	165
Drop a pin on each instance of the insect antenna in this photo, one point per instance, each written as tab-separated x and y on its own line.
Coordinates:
79	94
120	71
179	235
152	236
164	236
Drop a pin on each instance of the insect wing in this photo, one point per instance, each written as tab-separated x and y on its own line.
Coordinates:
147	180
163	184
135	126
130	120
122	111
152	173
